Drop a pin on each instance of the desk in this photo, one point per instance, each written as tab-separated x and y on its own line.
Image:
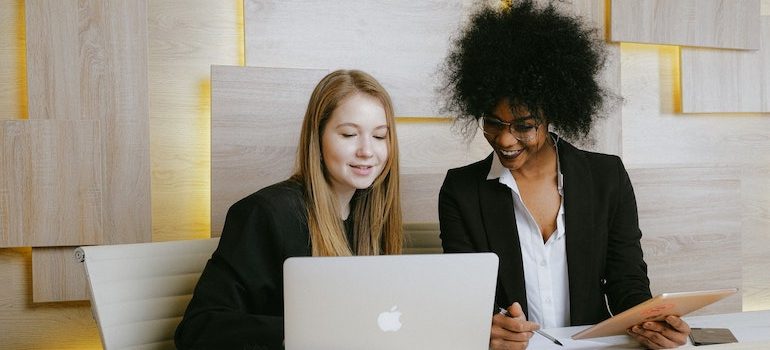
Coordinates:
752	329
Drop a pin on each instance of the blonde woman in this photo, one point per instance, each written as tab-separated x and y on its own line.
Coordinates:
341	200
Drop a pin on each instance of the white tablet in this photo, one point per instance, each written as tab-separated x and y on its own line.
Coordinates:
655	309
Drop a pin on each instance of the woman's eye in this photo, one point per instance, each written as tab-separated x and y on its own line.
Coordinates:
523	127
348	135
380	137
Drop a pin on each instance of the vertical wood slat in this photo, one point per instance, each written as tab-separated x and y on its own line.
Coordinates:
727	81
51	183
88	60
731	24
13	80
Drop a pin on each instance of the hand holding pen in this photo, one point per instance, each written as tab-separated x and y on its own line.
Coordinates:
538	331
511	330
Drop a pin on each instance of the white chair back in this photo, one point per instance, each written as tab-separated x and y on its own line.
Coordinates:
139	292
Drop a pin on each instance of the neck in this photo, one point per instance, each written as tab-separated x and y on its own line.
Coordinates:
343	200
543	162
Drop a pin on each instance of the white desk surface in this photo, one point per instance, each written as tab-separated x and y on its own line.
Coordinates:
752	329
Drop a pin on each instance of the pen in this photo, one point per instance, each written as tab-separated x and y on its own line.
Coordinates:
504	312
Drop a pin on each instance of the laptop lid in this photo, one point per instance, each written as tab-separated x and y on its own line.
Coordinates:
428	301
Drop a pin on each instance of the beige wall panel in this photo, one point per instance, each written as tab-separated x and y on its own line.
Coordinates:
26	325
76	69
710	23
186	38
256	116
63	276
53	59
401	43
755	182
691	224
13	89
655	135
51	184
724	81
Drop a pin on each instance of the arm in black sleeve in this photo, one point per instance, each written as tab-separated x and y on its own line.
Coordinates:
627	283
238	302
454	236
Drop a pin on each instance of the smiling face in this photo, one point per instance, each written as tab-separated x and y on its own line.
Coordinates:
515	154
354	144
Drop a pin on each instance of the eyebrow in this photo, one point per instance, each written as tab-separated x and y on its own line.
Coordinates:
515	119
357	126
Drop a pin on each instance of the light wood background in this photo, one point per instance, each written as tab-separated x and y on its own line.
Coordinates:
186	37
722	81
709	23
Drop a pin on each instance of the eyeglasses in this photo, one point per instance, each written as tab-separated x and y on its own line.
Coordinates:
521	130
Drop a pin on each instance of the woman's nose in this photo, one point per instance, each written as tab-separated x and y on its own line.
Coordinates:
364	148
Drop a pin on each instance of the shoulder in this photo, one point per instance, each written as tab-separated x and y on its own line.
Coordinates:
470	171
282	197
597	163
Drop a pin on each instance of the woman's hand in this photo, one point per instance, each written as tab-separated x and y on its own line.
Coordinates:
511	331
670	333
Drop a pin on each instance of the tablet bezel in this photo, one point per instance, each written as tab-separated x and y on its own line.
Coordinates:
655	309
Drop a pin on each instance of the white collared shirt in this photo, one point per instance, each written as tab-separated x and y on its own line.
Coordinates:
545	265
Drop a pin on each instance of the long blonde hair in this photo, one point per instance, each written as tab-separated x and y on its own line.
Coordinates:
376	210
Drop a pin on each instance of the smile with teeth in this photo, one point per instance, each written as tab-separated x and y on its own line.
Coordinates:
512	153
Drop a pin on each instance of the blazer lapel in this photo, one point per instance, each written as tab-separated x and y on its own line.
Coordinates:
499	222
579	213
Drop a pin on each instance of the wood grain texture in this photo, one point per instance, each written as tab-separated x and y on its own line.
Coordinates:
401	43
51	186
186	38
256	115
725	81
13	89
691	223
755	182
730	24
27	325
76	70
656	135
57	276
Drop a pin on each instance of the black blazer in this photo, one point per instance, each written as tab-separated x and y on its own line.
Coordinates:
238	301
604	255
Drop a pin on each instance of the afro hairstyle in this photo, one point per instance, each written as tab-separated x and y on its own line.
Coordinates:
536	57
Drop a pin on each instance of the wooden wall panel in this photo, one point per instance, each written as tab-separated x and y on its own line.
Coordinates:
256	116
755	188
75	70
63	275
656	135
13	89
725	81
691	224
401	43
51	187
186	38
710	23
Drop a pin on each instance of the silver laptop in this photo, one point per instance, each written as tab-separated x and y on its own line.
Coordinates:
429	301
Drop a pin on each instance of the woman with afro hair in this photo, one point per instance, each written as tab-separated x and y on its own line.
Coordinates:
562	220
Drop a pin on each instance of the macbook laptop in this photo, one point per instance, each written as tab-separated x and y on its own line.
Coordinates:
429	301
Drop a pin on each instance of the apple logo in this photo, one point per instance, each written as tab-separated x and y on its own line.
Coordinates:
389	321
